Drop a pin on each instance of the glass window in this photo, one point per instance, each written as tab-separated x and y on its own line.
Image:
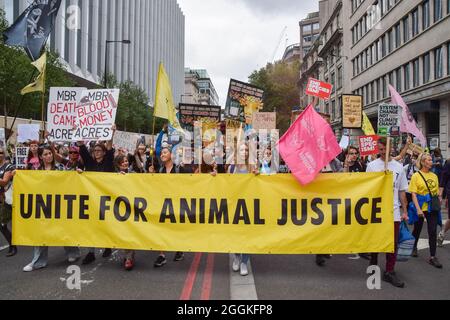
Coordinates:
307	28
372	92
426	68
407	76
398	75
397	36
438	63
406	29
416	80
316	26
415	22
333	83
448	6
390	41
339	78
384	87
448	58
425	14
437	10
383	47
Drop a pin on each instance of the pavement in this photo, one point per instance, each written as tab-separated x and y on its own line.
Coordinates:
202	276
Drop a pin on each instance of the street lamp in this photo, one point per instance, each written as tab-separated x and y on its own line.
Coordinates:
106	56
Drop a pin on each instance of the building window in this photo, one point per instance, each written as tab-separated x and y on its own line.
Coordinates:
339	78
398	75
307	28
333	110
316	26
425	14
438	63
383	47
372	92
426	68
407	76
406	29
416	79
390	36
377	91
384	87
333	81
415	22
397	36
448	58
437	10
448	6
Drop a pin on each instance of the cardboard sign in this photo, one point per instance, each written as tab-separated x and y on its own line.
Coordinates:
320	89
243	100
264	120
389	116
352	109
21	157
61	113
368	145
2	139
96	114
126	141
28	132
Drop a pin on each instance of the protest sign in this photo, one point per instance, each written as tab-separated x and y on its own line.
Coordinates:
61	113
352	108
389	117
264	120
28	132
243	100
21	157
126	141
96	114
189	113
320	89
337	214
2	138
368	145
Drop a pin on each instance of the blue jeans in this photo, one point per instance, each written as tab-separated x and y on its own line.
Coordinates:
243	257
40	257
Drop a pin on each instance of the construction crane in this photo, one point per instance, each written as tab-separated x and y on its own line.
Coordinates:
283	33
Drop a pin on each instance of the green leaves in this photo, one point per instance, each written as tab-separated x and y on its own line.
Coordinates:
279	81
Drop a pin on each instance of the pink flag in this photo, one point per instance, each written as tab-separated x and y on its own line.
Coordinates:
308	146
408	123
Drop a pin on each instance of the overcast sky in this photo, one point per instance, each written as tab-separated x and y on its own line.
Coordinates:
232	38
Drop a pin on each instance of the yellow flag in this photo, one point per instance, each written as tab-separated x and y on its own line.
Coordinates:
39	84
164	105
367	126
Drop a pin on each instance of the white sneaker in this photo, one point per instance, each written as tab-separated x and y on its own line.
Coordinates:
440	239
28	268
236	263
244	270
72	260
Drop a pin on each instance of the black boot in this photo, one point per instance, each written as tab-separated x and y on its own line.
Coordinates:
12	251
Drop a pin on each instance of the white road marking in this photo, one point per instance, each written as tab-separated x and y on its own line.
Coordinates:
242	288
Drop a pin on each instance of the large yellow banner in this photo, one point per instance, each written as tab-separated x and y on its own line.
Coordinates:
336	214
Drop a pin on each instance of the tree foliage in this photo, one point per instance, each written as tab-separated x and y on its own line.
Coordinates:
279	81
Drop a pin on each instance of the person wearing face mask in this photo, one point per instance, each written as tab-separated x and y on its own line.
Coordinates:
6	176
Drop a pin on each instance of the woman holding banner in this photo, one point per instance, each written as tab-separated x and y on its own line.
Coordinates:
123	167
40	258
168	167
243	166
6	176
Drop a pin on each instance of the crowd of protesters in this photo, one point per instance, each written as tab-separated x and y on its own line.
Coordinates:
418	176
